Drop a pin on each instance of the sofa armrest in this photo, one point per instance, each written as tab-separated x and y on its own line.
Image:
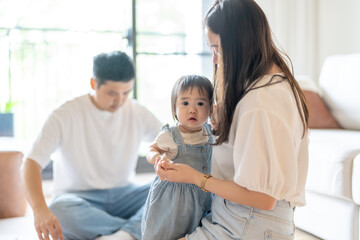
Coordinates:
334	163
356	180
339	82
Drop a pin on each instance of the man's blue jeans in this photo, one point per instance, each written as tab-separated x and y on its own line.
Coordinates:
89	214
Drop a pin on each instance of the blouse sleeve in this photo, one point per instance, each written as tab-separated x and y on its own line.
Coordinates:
264	154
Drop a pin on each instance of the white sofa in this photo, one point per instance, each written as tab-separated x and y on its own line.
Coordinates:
333	184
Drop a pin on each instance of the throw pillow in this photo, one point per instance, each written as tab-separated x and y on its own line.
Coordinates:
319	114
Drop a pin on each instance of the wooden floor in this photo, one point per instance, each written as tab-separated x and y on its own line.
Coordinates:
301	235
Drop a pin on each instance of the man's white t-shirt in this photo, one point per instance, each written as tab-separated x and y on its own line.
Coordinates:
97	149
266	151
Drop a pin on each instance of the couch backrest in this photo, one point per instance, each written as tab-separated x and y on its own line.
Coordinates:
340	86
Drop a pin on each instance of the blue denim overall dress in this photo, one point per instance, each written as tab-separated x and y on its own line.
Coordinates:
174	209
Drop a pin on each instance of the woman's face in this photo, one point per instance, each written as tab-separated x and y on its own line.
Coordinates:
213	41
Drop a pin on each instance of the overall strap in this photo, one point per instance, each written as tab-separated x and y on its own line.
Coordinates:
176	134
208	131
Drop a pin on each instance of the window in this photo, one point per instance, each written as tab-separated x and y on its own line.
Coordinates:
169	44
47	48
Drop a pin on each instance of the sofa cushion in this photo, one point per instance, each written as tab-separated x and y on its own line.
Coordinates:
331	155
340	84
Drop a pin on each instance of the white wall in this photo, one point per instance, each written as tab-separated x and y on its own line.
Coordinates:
339	27
311	30
294	24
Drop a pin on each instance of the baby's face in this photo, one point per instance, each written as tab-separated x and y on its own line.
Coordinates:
192	110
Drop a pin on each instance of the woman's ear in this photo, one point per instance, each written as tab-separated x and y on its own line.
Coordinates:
93	83
213	117
213	109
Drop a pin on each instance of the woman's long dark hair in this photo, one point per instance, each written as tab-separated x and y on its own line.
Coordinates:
248	53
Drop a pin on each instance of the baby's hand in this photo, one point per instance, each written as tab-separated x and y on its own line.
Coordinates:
162	157
165	158
165	163
160	160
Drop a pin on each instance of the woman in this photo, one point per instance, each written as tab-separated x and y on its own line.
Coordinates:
260	164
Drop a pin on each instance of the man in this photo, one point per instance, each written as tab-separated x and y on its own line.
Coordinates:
97	136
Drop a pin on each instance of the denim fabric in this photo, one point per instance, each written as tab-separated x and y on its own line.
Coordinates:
174	209
229	220
89	214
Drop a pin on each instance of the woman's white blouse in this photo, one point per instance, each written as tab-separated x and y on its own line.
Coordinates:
266	151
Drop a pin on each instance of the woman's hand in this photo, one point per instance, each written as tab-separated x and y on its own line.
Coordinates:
177	172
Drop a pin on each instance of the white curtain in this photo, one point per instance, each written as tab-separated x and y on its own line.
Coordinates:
311	30
295	27
294	24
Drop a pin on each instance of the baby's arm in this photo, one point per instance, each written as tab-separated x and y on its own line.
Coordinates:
154	152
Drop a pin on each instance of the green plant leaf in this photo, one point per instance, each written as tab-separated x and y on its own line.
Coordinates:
9	106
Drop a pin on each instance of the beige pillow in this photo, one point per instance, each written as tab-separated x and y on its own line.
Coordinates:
319	114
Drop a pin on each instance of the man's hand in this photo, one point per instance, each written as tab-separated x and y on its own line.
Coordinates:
47	224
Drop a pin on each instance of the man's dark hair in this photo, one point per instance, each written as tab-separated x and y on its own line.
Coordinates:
115	66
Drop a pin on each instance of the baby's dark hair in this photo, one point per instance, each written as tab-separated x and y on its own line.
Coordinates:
115	66
188	83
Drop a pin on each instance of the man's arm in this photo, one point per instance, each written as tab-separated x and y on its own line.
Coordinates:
31	174
46	222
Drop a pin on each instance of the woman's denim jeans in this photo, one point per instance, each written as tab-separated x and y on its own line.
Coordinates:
229	220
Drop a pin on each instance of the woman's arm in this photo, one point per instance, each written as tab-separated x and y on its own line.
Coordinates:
228	190
231	191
